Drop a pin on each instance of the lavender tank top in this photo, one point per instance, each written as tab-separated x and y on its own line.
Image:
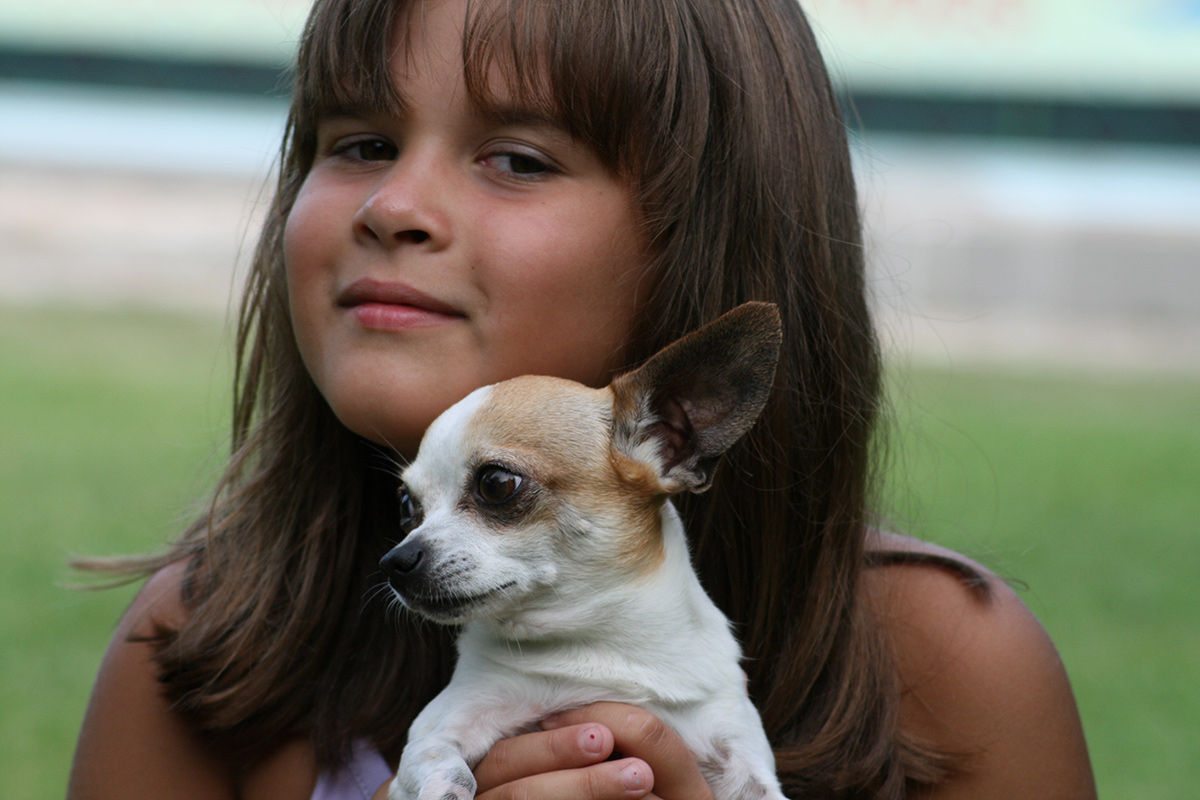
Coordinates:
359	779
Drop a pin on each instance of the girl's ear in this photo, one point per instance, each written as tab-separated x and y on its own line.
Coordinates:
693	399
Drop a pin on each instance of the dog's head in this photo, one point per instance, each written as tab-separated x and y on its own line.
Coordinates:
533	495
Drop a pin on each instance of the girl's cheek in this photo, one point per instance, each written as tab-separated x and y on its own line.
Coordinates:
297	227
318	204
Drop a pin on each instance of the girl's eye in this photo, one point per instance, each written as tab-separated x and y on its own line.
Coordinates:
368	150
519	165
496	485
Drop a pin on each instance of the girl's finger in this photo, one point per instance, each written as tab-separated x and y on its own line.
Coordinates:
626	779
568	747
637	732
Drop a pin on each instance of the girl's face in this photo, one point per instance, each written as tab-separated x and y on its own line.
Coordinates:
454	246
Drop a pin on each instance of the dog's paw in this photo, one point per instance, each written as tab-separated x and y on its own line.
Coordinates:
396	791
457	784
399	789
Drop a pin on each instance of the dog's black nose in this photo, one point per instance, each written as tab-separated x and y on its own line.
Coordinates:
402	560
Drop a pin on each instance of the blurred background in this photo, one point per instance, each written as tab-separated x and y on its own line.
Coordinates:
1030	175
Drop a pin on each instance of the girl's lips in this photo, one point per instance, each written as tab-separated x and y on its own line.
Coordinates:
383	305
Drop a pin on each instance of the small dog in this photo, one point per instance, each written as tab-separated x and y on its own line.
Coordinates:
537	516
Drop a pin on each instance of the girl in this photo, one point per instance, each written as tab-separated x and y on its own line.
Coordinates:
476	190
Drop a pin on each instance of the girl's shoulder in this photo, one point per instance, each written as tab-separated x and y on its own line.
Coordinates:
133	743
159	604
978	672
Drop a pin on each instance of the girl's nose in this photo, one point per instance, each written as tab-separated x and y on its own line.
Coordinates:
406	208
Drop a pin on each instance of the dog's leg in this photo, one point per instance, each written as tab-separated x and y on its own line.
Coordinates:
433	769
731	749
447	739
734	772
737	778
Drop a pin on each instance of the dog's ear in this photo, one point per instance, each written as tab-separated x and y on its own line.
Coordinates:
693	399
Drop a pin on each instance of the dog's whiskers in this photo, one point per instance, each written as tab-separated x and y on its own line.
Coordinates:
394	610
372	594
394	464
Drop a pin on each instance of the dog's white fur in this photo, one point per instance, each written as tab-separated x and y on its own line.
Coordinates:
577	589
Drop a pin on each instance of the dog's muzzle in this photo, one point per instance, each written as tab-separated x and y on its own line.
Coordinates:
410	568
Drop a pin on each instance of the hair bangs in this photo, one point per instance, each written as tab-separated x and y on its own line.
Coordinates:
608	71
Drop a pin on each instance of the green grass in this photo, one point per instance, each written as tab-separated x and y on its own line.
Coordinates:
1086	490
109	428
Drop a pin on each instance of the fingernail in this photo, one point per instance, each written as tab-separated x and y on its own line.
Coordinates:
591	741
633	778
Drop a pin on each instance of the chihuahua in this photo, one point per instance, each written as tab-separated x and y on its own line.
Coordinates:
537	517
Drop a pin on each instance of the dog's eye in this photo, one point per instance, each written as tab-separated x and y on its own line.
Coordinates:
410	512
496	485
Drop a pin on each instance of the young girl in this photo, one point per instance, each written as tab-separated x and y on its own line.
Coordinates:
476	190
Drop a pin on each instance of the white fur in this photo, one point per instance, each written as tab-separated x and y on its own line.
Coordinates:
549	641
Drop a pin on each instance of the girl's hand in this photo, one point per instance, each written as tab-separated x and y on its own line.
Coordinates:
569	758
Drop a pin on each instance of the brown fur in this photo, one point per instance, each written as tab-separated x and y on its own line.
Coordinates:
560	432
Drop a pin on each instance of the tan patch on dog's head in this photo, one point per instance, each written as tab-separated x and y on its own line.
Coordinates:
559	432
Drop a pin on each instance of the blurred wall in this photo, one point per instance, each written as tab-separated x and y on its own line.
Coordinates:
1029	169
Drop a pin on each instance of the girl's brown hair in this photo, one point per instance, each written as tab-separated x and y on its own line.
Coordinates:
720	115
